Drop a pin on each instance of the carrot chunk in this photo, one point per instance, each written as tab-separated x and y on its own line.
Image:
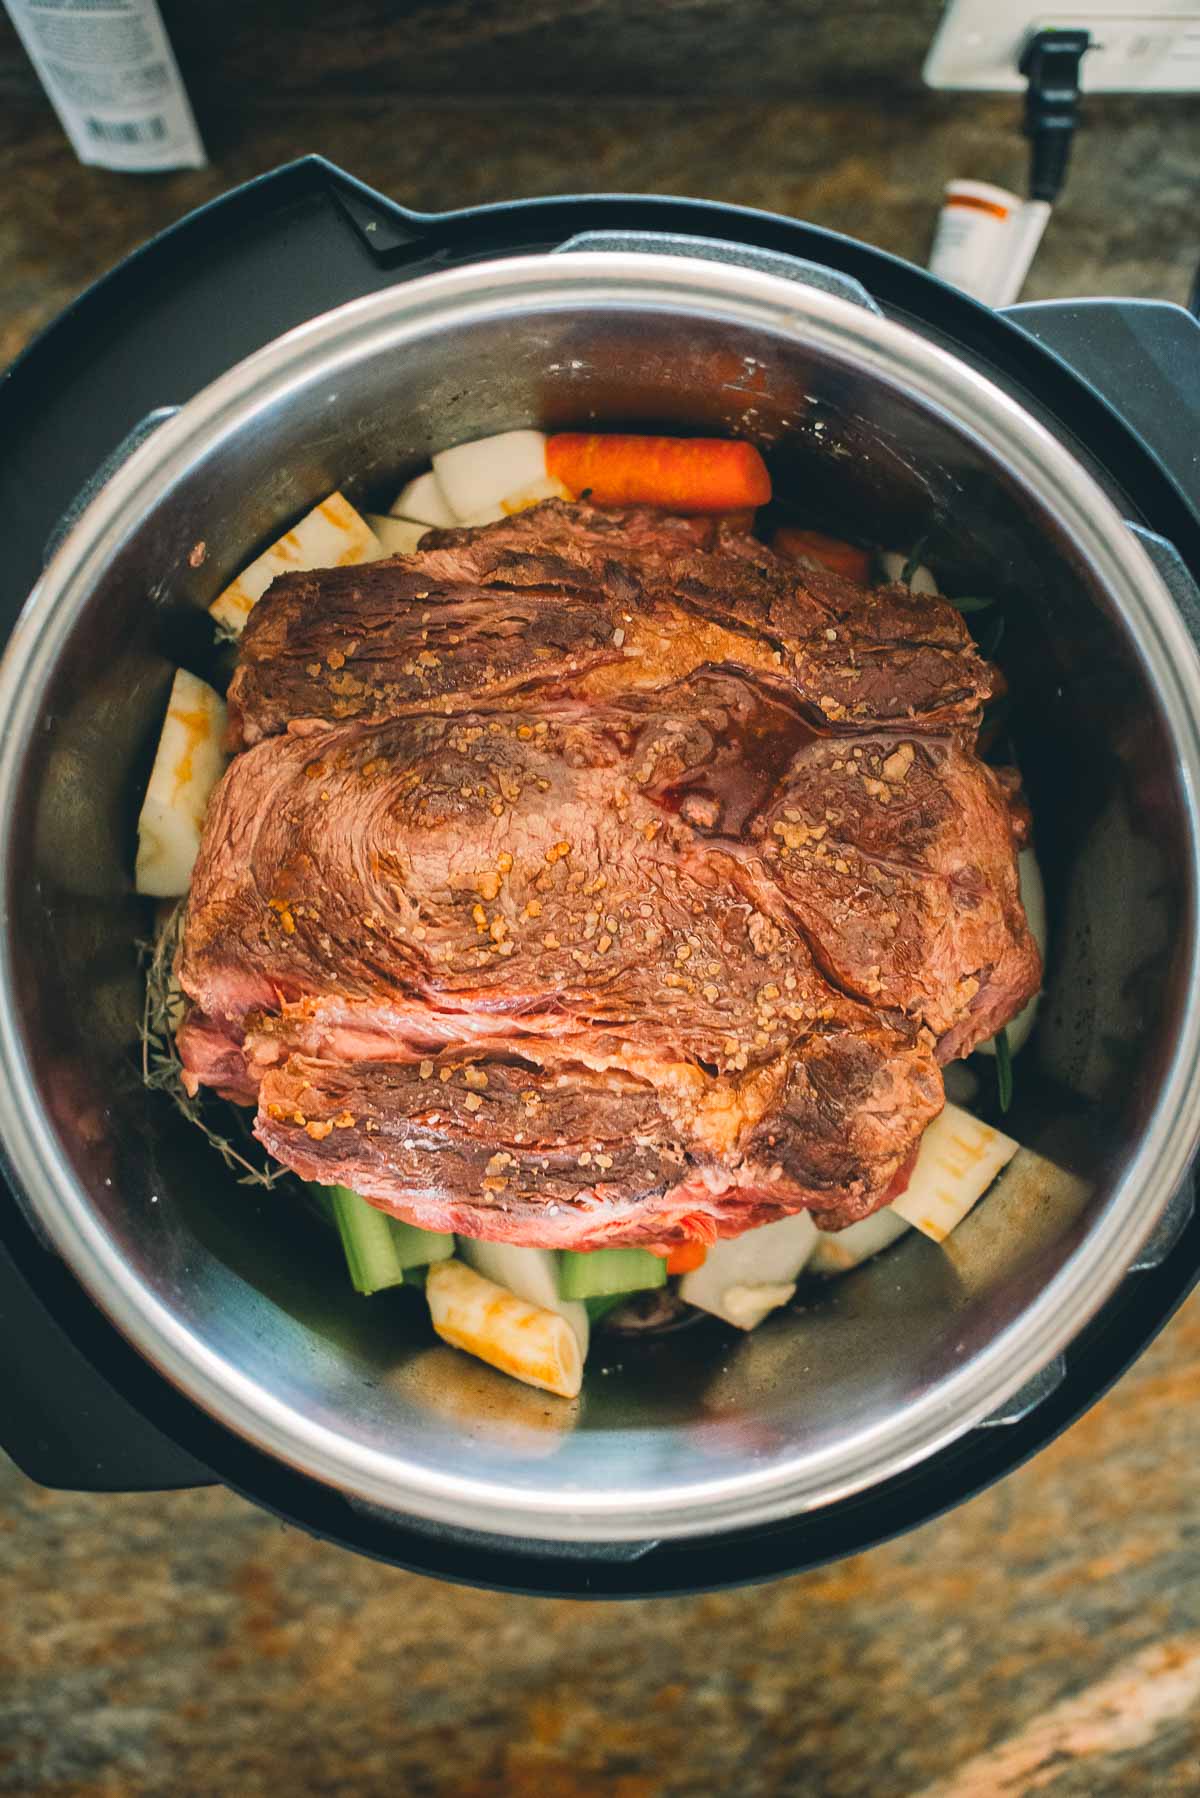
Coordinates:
684	474
686	1257
829	552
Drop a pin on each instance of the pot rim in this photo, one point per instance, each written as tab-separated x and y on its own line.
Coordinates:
385	322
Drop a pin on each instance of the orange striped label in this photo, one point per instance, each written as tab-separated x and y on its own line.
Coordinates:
974	204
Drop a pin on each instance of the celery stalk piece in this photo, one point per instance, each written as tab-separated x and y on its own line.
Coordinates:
379	1248
417	1247
596	1273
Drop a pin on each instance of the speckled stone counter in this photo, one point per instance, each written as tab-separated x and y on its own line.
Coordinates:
875	172
1045	1638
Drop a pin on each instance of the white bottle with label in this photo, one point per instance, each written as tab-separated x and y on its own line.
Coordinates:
112	78
986	239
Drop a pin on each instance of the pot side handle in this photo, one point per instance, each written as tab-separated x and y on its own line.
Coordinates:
739	255
61	1421
1143	358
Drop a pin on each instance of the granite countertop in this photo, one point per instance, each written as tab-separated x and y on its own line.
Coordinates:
1043	1638
874	172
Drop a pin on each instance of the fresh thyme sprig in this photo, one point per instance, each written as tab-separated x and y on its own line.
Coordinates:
1004	1070
914	560
162	1069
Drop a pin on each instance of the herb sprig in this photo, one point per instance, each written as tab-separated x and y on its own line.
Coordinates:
1004	1072
162	1069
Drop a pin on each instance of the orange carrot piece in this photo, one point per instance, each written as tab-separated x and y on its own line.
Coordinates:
686	1257
683	474
830	552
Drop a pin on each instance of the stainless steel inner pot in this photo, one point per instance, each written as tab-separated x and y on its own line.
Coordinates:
239	1298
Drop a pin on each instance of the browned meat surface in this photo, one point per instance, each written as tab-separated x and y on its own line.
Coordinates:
574	946
563	1156
567	599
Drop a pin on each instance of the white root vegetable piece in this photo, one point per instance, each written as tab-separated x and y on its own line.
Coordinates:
397	536
549	487
476	477
332	535
532	1274
746	1304
744	1277
188	763
958	1160
837	1251
520	501
489	515
423	502
1033	898
524	1340
893	562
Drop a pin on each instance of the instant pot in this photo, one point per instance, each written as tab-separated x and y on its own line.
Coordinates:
166	1327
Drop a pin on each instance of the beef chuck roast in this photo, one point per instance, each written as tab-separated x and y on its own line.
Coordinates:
596	879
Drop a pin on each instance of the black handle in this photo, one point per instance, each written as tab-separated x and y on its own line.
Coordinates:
63	1423
1143	358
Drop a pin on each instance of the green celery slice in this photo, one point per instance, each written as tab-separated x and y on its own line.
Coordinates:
597	1273
379	1248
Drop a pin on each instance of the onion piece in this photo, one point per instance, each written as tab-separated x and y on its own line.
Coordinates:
423	502
744	1277
837	1251
893	562
531	1274
397	536
478	477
